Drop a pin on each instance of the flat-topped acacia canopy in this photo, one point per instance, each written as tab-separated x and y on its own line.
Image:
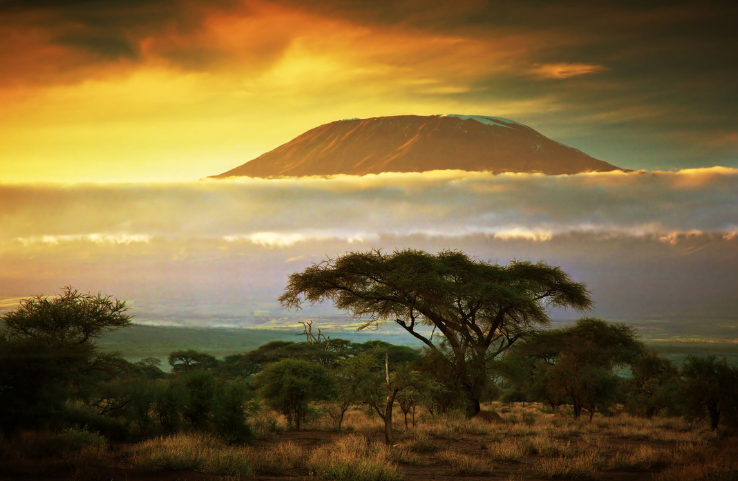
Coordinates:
480	308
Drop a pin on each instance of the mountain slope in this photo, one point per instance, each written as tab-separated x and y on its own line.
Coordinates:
411	143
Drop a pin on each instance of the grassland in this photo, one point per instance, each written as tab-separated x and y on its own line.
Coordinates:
528	443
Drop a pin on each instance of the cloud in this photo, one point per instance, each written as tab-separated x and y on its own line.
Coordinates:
650	245
279	213
565	70
277	239
95	238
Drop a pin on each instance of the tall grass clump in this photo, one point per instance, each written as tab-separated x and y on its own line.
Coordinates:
278	459
178	452
465	464
643	458
581	467
353	458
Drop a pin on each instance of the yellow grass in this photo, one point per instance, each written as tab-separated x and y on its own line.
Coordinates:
353	458
465	464
584	466
541	444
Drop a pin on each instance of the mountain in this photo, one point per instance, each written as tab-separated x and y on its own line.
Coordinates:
411	143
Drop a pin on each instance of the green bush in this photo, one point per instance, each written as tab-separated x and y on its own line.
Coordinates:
229	413
288	386
82	417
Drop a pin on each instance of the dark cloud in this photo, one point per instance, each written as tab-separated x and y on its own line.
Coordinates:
655	86
95	31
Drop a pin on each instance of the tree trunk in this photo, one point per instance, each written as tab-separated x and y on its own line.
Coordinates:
577	409
714	415
473	405
391	393
340	418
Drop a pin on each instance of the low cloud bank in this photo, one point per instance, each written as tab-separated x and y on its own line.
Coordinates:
283	212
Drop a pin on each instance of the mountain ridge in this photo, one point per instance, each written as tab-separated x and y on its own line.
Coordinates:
411	143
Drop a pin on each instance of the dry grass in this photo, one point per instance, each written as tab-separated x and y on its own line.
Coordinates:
265	424
642	458
278	459
540	444
421	442
506	451
353	458
584	466
465	464
191	453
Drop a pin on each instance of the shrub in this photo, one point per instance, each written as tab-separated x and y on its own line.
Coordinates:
77	439
229	413
288	386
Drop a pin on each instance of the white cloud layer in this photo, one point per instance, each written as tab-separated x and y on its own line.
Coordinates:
648	245
664	205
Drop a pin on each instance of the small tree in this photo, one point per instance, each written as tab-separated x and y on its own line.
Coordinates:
348	381
188	360
581	360
653	387
70	319
382	380
198	387
288	386
229	413
711	388
47	348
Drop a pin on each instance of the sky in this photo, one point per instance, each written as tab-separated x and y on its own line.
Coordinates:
113	112
176	90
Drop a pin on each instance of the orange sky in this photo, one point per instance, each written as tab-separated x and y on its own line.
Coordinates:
170	90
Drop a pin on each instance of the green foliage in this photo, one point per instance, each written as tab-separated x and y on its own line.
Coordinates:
574	365
67	320
198	389
229	412
167	406
711	389
188	360
473	304
288	386
654	386
83	417
448	395
76	438
47	353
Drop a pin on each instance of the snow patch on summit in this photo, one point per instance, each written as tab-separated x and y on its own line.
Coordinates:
496	121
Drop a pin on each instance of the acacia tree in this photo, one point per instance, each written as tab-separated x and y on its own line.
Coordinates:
711	387
480	308
654	386
46	346
578	362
